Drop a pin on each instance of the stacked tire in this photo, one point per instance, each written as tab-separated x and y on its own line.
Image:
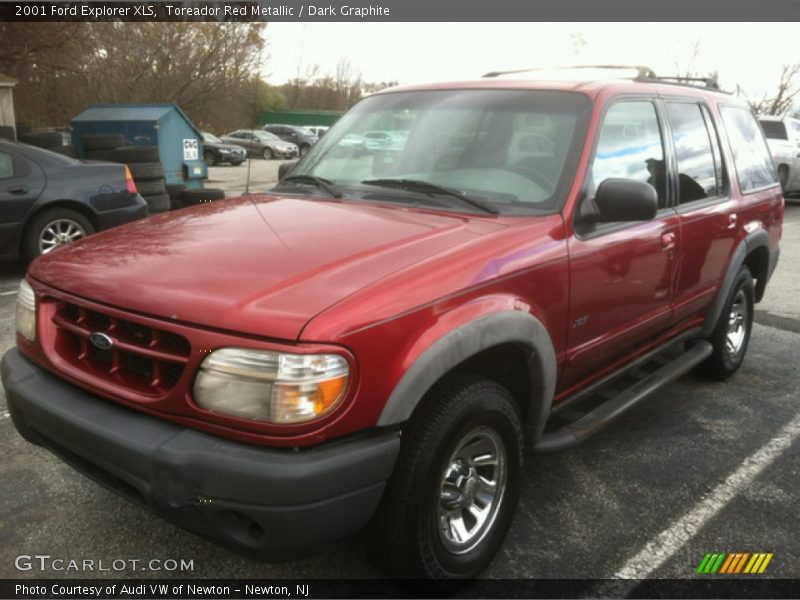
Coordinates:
144	163
48	140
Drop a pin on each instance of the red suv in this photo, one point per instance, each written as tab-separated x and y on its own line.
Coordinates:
378	340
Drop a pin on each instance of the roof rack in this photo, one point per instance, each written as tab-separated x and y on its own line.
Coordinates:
643	73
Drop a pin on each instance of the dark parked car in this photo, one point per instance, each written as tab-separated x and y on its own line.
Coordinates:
261	143
47	200
216	152
300	136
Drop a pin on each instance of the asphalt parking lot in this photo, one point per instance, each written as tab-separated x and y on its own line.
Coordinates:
700	467
234	180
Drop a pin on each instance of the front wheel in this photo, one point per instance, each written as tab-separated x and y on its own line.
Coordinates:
210	159
732	331
450	501
267	154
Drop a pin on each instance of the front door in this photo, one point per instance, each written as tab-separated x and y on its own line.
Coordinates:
621	274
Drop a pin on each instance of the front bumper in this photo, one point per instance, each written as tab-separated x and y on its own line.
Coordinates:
262	499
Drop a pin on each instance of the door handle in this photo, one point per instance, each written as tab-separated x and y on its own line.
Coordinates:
668	241
21	189
732	219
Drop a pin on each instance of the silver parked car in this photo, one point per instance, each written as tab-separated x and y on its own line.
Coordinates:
261	143
783	139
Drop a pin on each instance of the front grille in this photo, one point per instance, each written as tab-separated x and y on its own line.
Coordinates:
143	359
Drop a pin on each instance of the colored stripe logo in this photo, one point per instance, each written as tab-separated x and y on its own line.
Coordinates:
734	563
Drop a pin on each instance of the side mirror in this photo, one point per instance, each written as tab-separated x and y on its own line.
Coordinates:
625	200
286	167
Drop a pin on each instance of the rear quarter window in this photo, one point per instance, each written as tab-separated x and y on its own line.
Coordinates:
751	157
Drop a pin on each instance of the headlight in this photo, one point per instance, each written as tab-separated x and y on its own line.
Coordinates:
26	311
273	387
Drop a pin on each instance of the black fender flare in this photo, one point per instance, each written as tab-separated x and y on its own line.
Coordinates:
755	239
466	341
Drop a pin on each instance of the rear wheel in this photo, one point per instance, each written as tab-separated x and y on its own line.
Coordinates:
732	332
450	501
53	228
267	154
210	159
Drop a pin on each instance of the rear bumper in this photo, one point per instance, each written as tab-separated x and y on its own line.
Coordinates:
136	209
261	499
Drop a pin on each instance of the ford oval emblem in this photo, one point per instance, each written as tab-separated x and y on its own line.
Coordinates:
101	341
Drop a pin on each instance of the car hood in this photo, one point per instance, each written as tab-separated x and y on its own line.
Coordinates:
262	265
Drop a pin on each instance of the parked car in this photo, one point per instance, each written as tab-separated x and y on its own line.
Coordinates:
394	337
299	136
215	151
783	138
261	143
48	200
317	130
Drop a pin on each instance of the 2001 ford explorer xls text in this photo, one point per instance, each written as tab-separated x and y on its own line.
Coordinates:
376	341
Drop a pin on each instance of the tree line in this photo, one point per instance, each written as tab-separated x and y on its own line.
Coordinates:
211	70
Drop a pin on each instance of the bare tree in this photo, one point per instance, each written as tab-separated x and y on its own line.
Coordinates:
783	99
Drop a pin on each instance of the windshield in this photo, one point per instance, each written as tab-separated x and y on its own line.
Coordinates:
211	138
507	148
266	135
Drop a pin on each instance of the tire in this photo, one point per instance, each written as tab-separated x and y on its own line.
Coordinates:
174	189
39	234
236	163
151	187
210	159
267	154
157	203
137	154
783	176
304	148
47	140
7	133
103	141
146	170
105	155
730	344
194	197
406	536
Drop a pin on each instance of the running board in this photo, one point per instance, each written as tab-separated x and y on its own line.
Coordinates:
577	431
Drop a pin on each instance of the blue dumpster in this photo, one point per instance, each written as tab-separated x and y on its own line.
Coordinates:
164	125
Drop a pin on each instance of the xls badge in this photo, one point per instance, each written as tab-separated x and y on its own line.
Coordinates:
734	563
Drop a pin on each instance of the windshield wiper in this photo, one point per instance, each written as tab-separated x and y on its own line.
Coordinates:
320	182
424	187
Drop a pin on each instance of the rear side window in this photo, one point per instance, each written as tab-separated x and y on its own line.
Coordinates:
754	167
6	166
630	147
697	152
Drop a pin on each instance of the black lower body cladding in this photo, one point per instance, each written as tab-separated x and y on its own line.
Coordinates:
260	499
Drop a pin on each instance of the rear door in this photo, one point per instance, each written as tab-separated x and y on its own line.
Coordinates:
621	274
708	217
21	183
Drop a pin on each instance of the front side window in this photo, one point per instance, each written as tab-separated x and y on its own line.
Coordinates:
695	151
751	157
774	130
630	147
505	148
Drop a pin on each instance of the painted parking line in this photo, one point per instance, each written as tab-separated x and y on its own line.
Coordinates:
4	414
9	293
661	548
